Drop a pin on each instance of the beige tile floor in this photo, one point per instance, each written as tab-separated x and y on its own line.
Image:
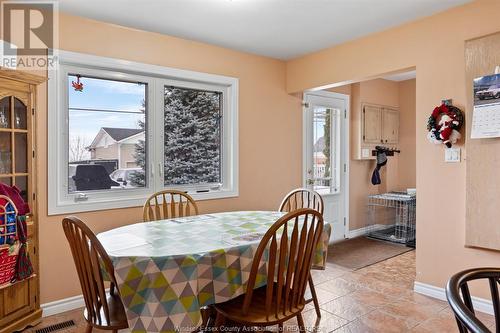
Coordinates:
378	298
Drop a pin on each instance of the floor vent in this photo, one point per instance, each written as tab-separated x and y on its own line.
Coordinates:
56	327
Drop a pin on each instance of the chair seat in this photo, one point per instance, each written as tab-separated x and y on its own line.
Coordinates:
117	316
256	315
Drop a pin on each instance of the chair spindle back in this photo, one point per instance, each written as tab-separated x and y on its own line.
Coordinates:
89	255
291	244
169	204
302	198
460	300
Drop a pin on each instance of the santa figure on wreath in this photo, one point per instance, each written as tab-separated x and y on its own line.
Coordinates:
444	125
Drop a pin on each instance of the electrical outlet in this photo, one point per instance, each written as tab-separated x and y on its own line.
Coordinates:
452	155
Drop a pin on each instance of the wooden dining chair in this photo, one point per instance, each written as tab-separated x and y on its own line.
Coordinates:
460	300
102	311
289	246
169	204
305	198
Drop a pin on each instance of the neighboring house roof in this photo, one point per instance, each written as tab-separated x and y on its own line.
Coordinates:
116	135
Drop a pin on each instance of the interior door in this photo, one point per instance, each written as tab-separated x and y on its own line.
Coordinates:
325	151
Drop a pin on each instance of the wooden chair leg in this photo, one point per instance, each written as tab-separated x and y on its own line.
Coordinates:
314	296
88	329
205	317
219	321
300	321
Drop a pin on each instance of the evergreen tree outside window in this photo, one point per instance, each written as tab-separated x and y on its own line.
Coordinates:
192	134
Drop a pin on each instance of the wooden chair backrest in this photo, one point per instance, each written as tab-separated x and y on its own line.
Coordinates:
460	300
169	204
289	265
302	198
89	255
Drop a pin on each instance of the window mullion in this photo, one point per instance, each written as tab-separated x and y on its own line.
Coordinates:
159	134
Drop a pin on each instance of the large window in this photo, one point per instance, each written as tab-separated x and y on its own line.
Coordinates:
122	131
107	134
193	140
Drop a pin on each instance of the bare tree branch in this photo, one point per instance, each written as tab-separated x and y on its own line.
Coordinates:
78	149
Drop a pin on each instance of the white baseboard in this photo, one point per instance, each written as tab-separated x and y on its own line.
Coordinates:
62	305
480	304
358	232
364	231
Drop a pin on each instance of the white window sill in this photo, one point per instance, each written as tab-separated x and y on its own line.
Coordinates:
69	207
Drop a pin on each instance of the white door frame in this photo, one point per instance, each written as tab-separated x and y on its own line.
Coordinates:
345	138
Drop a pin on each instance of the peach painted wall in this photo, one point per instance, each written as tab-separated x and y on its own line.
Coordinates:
400	170
270	143
435	46
407	134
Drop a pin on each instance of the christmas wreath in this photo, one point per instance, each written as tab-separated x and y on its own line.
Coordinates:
444	125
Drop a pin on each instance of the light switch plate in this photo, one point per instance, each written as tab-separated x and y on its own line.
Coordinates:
365	152
452	155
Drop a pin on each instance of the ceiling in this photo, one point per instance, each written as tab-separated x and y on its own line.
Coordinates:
282	29
401	76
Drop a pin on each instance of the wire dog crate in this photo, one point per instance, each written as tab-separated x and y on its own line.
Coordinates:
392	217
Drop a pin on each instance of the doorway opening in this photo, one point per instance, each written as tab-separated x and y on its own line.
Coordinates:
379	112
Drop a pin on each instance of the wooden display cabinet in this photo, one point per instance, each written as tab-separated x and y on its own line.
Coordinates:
20	301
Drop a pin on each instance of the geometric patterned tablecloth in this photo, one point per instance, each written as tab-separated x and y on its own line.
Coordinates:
167	270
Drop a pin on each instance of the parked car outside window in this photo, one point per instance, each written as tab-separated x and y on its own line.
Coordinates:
125	177
88	177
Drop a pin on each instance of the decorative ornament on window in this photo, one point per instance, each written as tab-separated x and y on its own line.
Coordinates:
78	86
444	124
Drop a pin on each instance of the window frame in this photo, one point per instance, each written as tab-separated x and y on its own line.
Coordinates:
61	202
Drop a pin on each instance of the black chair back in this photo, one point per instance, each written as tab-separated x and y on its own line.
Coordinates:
460	300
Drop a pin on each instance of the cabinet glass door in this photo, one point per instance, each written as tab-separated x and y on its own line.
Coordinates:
14	143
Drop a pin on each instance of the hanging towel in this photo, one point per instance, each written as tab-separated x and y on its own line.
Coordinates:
24	268
381	161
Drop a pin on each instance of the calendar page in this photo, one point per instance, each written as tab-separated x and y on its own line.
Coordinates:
486	113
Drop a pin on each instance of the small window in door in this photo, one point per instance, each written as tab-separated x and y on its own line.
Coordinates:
326	145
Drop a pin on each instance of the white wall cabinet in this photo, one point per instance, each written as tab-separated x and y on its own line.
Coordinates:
379	126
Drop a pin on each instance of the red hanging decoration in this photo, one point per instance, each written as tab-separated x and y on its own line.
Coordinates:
444	125
78	86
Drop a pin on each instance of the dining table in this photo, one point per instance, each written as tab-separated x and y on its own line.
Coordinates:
167	270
